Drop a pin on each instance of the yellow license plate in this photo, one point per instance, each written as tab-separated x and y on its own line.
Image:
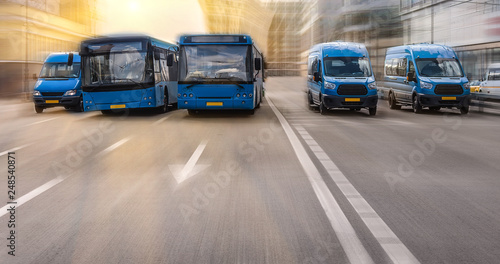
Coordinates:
52	101
214	103
117	106
352	99
449	98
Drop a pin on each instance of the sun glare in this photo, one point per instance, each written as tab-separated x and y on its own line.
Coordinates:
133	5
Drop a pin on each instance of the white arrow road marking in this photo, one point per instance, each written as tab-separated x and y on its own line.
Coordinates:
182	173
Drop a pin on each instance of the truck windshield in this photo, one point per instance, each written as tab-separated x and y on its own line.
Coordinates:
347	67
439	67
60	70
215	63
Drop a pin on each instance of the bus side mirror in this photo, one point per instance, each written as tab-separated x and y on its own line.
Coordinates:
258	64
70	59
170	59
411	77
316	77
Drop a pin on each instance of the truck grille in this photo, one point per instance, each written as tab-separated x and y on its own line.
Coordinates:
448	89
352	89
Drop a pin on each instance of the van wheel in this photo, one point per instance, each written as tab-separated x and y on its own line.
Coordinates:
464	110
322	108
38	109
372	110
310	102
79	107
392	102
417	107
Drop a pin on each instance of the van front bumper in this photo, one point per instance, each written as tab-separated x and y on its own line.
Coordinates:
332	101
67	101
427	100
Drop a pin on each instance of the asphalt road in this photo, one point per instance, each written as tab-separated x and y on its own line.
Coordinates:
285	185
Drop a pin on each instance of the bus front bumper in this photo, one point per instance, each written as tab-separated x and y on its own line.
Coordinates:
215	103
427	100
332	101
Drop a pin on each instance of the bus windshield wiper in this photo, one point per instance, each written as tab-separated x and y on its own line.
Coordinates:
130	80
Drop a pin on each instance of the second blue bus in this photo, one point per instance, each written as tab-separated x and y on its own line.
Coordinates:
220	72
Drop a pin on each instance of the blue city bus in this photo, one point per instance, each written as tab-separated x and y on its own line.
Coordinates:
128	72
220	72
59	83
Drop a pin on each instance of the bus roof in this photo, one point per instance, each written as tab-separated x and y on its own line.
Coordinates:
124	38
201	39
424	50
340	49
62	57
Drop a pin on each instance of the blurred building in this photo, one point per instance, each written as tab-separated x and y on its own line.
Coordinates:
284	38
472	28
28	33
238	17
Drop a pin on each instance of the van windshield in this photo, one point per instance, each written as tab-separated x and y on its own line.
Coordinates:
60	70
494	74
439	67
347	67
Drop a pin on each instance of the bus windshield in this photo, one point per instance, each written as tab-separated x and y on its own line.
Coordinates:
60	70
118	65
347	67
439	67
215	63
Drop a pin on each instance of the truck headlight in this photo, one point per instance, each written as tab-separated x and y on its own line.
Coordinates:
330	85
425	85
70	93
372	85
36	93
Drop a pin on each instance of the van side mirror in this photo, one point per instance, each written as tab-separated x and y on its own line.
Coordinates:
316	77
70	59
258	64
170	59
411	77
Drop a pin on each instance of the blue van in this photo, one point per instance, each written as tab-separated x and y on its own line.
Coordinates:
59	83
425	75
340	75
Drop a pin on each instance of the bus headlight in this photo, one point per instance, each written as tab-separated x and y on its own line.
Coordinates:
36	93
330	85
425	85
372	85
70	93
467	86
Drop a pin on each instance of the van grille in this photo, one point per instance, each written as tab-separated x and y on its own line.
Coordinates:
352	89
52	93
448	89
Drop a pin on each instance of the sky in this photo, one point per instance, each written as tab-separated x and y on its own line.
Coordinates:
163	19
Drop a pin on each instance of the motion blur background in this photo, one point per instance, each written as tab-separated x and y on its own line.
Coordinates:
283	29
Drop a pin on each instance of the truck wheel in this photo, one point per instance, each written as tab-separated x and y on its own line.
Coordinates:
38	109
392	102
372	110
464	110
417	107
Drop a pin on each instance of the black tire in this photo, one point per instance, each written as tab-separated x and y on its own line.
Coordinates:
357	109
372	110
192	112
392	102
310	102
251	112
259	100
106	112
164	107
322	108
79	107
464	110
38	109
417	107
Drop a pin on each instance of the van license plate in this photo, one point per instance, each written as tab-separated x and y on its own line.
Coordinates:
449	98
214	103
116	106
352	99
52	101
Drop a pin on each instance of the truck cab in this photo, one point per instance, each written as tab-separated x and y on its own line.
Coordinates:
59	83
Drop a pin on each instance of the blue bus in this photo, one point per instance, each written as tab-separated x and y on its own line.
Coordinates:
59	83
122	72
220	72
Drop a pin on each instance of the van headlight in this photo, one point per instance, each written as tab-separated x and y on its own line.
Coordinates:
330	85
467	86
372	85
425	85
70	93
36	93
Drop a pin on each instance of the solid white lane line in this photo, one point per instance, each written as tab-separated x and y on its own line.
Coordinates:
43	121
160	120
192	161
113	147
348	238
13	149
25	198
391	244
